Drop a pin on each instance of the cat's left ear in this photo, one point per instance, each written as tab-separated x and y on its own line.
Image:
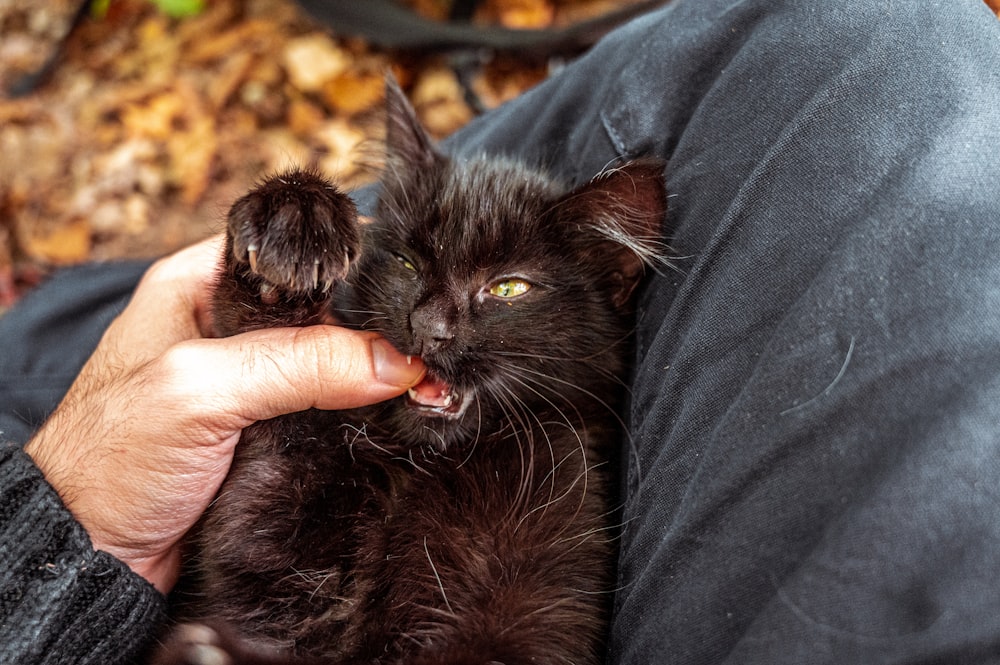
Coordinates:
407	142
619	222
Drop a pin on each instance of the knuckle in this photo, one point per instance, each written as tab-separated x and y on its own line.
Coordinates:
162	270
182	372
331	358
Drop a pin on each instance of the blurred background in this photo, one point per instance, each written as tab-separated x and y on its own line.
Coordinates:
158	114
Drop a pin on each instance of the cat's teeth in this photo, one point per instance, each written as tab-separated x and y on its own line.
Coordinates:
448	399
409	361
412	392
316	273
252	254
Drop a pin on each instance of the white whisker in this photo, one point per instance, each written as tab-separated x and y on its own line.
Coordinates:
437	577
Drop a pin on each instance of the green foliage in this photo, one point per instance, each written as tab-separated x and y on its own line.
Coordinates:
99	8
180	8
172	8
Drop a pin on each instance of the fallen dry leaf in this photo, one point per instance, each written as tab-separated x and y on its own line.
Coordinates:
304	117
518	14
312	60
339	142
354	91
439	101
67	244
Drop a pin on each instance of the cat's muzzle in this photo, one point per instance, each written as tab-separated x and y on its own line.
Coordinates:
436	398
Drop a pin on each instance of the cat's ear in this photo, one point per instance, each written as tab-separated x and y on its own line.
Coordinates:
408	145
618	223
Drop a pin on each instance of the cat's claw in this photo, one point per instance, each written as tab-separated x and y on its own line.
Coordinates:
296	231
252	256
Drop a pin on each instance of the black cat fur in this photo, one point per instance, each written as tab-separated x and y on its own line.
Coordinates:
475	528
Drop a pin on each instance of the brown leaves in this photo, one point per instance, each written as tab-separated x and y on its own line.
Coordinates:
151	126
518	14
438	99
68	243
312	60
356	90
123	153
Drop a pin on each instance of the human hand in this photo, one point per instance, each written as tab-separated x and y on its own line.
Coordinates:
140	444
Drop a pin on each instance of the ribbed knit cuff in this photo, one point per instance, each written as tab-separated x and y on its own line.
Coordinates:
60	601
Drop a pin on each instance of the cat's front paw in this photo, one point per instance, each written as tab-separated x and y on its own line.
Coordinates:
218	644
194	644
296	231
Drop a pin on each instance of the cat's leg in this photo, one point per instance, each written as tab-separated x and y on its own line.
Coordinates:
289	241
203	644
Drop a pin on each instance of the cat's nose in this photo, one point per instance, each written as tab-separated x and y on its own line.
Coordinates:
431	330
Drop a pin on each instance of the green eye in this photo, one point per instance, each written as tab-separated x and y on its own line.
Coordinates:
510	288
406	263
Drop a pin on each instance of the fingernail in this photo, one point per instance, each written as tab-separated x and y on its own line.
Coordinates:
393	367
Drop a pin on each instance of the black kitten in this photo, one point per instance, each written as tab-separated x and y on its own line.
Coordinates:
468	521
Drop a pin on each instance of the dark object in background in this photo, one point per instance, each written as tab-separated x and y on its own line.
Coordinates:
387	24
31	81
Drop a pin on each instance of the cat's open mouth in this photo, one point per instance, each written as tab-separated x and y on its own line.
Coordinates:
437	398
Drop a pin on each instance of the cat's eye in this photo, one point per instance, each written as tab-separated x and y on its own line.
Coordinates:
406	263
510	288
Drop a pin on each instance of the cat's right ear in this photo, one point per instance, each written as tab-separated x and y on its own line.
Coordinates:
408	146
617	223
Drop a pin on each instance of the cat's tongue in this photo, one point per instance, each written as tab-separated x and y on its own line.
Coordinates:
432	392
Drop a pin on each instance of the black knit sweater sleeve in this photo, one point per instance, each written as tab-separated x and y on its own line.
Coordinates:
61	601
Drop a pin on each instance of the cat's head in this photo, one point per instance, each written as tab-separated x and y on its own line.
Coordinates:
513	289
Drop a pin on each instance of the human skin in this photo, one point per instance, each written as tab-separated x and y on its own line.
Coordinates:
143	439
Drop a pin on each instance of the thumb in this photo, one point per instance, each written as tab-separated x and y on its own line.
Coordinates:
267	373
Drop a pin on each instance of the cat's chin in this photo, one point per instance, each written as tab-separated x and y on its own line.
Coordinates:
435	398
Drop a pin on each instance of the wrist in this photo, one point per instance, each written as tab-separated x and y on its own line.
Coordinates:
54	581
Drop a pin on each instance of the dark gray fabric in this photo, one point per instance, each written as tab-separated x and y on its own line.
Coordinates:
815	458
48	336
816	416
